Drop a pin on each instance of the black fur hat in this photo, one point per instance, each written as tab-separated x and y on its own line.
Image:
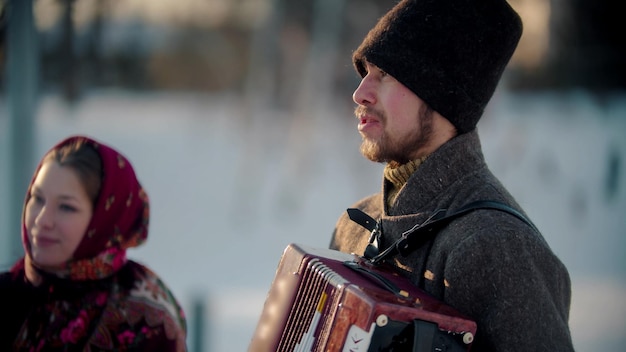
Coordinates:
450	53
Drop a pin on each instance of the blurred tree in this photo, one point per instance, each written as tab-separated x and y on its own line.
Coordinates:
590	48
93	52
263	46
587	49
67	60
3	32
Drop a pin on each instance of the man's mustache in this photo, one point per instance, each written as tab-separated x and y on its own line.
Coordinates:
361	110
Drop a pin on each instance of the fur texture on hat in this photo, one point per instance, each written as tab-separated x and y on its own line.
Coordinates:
450	53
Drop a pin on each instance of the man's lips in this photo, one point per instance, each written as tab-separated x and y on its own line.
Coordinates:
367	121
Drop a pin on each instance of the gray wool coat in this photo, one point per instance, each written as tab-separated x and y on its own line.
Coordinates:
487	264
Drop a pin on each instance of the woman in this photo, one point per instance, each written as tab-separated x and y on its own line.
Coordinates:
74	289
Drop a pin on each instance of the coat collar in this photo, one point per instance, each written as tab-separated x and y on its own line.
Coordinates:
442	170
432	185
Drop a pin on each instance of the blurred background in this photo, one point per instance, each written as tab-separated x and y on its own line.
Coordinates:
237	116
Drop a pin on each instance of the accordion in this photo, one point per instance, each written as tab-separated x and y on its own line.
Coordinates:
326	300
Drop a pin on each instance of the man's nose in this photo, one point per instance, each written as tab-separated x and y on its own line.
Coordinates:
364	93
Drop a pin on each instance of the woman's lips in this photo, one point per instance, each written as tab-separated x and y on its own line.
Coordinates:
43	241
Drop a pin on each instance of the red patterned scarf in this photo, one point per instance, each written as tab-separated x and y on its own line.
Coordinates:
74	300
119	221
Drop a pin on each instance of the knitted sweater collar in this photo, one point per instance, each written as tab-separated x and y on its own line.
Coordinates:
400	174
453	161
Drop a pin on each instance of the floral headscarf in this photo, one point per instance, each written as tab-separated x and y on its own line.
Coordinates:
100	299
119	221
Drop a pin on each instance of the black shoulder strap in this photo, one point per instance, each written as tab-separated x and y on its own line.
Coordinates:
490	204
421	233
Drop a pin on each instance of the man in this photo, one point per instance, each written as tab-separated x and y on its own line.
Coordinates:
429	68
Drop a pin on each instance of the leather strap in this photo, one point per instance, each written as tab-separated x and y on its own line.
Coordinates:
361	218
421	233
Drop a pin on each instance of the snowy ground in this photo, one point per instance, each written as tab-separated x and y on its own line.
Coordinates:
229	193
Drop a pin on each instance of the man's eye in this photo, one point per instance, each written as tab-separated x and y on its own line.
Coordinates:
383	73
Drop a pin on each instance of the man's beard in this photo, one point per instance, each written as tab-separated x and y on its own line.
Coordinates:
390	150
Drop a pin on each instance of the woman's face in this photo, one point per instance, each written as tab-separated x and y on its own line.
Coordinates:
57	215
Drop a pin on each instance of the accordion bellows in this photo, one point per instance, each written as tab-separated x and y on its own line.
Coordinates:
326	300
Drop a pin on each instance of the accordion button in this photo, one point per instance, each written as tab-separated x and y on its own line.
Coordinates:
468	338
382	320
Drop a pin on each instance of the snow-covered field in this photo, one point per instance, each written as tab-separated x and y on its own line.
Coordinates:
230	187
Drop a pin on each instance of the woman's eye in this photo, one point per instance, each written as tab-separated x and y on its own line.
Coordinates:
37	199
68	208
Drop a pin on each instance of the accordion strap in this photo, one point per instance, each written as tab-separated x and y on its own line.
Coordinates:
422	233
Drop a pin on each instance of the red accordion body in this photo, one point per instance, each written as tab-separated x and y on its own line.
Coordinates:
326	300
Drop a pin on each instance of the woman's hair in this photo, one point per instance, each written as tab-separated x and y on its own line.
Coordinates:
84	160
